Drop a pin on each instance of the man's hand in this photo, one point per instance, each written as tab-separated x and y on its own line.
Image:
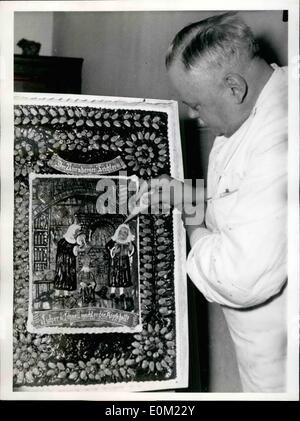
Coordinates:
163	192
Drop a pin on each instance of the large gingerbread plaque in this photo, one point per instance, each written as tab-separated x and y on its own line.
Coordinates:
97	305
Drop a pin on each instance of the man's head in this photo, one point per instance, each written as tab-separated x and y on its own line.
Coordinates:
210	63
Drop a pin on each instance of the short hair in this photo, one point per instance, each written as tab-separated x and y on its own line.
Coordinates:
217	40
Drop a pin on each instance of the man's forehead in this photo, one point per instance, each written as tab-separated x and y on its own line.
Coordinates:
194	82
177	69
185	82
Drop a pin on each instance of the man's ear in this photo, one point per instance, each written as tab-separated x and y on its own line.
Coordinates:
237	86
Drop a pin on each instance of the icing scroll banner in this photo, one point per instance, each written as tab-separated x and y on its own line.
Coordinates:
84	315
66	167
99	305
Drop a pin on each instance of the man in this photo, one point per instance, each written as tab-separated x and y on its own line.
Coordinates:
238	256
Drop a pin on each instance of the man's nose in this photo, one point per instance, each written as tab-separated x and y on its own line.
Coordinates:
195	115
201	123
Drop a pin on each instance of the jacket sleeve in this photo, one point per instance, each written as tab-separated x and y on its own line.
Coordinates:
243	263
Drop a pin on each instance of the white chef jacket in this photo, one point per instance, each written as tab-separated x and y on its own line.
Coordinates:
239	261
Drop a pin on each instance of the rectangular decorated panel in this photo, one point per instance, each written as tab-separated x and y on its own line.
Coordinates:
84	276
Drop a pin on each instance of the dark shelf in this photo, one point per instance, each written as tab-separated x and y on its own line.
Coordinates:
47	74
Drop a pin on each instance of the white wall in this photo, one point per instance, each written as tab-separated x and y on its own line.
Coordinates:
34	26
123	52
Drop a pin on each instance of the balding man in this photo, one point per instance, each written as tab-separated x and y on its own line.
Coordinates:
238	255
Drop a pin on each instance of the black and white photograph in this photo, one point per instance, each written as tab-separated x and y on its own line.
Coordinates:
149	200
